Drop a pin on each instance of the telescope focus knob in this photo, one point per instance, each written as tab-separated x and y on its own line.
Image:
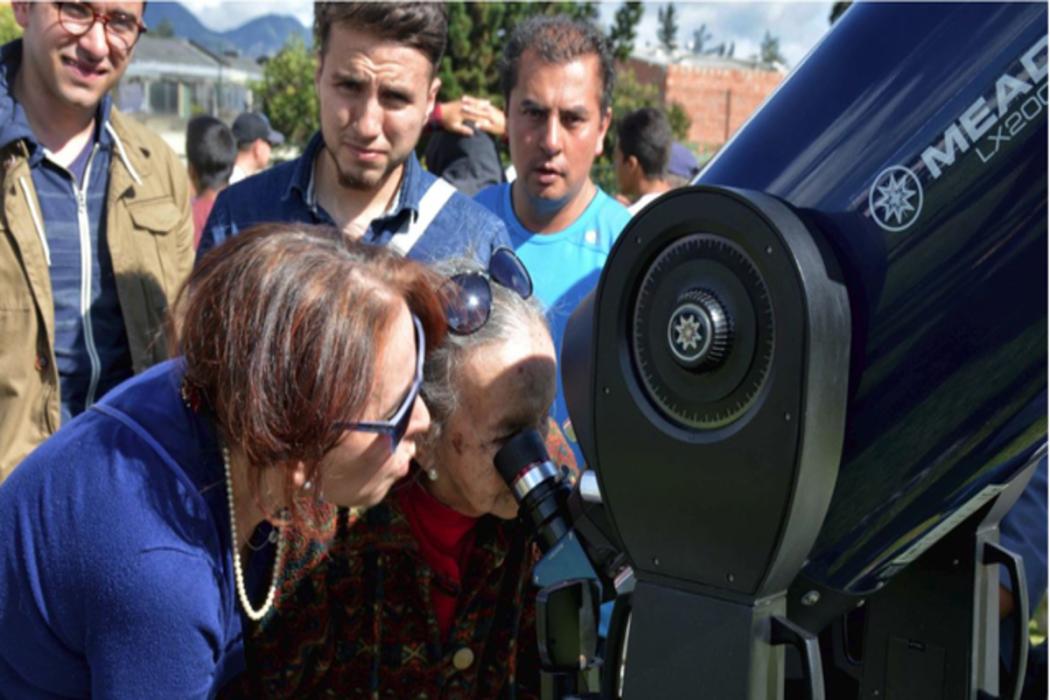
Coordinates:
699	331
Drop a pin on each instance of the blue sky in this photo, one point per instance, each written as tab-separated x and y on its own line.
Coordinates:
798	25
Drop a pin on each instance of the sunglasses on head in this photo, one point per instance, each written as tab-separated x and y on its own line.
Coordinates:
396	427
468	295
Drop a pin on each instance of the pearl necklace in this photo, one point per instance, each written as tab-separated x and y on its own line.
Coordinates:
238	573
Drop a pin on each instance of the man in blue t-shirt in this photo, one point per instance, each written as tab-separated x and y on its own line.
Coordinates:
557	79
376	85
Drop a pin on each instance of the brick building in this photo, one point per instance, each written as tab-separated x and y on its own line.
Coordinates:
718	94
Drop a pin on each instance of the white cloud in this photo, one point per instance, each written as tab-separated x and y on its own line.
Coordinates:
222	15
798	25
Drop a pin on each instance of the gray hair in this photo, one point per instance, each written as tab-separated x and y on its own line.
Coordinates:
510	316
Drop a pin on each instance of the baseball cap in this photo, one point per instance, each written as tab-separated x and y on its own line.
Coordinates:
682	162
249	126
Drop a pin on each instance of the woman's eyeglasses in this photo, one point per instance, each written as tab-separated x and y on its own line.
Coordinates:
122	29
396	427
468	295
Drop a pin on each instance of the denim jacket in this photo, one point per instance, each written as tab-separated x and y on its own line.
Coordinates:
286	192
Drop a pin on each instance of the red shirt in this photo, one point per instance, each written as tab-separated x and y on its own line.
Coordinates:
445	539
201	209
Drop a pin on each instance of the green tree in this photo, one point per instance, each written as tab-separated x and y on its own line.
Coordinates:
667	33
163	29
769	50
680	121
837	9
624	29
287	93
631	94
587	11
477	33
9	28
701	37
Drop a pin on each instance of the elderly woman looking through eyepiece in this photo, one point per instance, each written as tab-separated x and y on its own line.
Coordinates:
427	593
135	541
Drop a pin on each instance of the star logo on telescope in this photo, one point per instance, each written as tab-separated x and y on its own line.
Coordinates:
895	198
687	333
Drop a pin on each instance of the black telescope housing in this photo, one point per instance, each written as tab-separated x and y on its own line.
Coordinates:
816	378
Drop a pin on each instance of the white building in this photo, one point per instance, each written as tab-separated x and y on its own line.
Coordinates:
170	80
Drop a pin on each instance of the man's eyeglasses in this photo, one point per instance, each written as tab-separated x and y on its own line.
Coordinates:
468	295
122	30
397	426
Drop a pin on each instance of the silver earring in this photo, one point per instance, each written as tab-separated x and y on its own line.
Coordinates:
432	474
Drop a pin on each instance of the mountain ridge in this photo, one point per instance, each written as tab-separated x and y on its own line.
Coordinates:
260	36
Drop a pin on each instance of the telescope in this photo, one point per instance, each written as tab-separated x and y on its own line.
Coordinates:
813	382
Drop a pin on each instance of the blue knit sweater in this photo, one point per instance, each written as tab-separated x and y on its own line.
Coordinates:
116	575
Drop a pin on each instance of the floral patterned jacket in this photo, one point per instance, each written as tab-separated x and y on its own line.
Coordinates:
354	619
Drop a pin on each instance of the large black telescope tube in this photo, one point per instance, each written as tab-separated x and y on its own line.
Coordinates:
911	144
913	139
718	386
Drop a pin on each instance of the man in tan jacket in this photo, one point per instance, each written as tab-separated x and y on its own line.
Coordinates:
96	236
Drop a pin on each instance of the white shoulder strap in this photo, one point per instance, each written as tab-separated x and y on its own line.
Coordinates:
429	205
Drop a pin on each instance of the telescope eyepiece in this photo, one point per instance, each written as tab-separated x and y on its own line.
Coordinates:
538	486
523	450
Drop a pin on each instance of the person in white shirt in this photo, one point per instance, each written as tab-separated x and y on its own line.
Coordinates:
643	149
255	141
